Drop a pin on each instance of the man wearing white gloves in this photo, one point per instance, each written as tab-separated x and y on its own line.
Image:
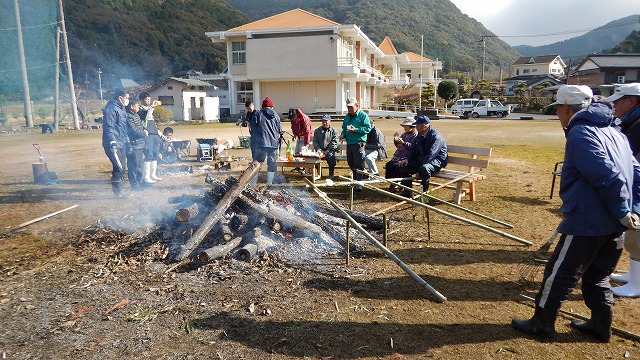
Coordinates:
600	191
626	101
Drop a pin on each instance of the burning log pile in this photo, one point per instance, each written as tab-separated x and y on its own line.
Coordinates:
260	221
234	217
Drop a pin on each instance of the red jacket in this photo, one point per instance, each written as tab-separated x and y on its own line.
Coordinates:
301	126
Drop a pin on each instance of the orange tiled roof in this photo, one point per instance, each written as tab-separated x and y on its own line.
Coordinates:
413	57
292	19
387	47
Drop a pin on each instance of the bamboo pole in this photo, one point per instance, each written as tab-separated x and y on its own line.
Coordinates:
614	329
456	206
439	211
386	251
41	218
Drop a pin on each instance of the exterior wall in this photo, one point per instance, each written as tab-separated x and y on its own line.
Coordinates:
309	96
300	57
174	89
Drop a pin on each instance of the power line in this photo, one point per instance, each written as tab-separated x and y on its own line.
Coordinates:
562	32
31	27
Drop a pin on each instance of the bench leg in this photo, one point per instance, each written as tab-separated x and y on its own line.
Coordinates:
457	197
472	191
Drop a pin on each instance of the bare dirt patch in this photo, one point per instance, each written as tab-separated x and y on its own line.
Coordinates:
60	277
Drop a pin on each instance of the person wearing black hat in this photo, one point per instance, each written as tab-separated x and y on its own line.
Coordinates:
428	155
325	139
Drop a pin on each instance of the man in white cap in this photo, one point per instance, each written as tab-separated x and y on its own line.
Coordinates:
626	101
600	191
355	127
403	148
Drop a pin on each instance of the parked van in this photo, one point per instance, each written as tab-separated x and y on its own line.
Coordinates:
463	106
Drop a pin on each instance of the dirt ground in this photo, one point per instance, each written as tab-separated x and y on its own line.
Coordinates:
94	282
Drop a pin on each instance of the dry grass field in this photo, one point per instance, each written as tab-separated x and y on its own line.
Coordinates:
60	276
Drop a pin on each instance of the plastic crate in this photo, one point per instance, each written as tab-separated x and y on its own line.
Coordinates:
207	141
245	141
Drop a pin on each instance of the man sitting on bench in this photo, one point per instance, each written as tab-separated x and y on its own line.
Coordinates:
428	155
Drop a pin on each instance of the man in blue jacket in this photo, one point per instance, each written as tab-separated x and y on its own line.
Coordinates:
427	155
600	191
265	128
115	138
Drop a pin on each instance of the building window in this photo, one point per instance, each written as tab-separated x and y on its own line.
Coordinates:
525	71
244	91
166	100
239	51
169	87
534	70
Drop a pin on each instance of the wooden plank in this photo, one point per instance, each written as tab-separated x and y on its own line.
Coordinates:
469	150
479	163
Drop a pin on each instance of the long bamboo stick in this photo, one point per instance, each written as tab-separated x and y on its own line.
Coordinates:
18	227
439	211
387	252
439	200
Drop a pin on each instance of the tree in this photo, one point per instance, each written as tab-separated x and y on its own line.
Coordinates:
162	114
427	94
447	90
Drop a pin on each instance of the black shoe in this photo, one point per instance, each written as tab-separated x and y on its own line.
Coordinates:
357	188
599	326
406	193
542	324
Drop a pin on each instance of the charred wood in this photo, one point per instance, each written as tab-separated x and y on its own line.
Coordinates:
219	210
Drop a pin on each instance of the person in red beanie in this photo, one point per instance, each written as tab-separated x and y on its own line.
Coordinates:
265	128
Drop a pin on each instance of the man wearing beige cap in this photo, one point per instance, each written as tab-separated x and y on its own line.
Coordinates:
600	191
626	100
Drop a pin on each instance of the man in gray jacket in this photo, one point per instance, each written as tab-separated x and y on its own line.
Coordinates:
325	139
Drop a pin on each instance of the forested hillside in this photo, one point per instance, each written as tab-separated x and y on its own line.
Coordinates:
595	41
449	35
630	45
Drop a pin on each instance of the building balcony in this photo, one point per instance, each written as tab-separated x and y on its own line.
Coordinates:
362	71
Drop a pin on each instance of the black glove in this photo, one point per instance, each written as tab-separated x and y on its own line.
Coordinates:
244	124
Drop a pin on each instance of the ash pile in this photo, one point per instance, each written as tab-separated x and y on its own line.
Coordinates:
233	220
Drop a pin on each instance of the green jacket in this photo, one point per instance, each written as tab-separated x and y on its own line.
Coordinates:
362	123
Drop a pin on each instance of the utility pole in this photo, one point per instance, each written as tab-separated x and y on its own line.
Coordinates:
484	53
56	106
421	58
28	114
74	106
100	82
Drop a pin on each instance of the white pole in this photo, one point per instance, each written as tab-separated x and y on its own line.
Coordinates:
74	107
28	114
56	106
435	86
100	82
421	57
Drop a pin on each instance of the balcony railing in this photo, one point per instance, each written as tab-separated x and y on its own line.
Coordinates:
363	67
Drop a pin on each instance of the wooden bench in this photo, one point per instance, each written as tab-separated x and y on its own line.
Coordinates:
464	163
313	169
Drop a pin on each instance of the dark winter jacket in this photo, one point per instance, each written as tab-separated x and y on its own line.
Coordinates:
375	141
600	180
265	129
325	139
630	126
430	148
114	125
136	130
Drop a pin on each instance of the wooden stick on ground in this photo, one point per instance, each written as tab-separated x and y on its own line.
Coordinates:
15	228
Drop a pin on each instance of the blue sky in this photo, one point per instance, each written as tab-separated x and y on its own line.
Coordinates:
542	17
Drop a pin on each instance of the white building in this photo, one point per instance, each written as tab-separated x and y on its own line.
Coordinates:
187	98
302	60
539	65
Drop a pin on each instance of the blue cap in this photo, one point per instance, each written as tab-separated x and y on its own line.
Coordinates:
326	117
422	119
